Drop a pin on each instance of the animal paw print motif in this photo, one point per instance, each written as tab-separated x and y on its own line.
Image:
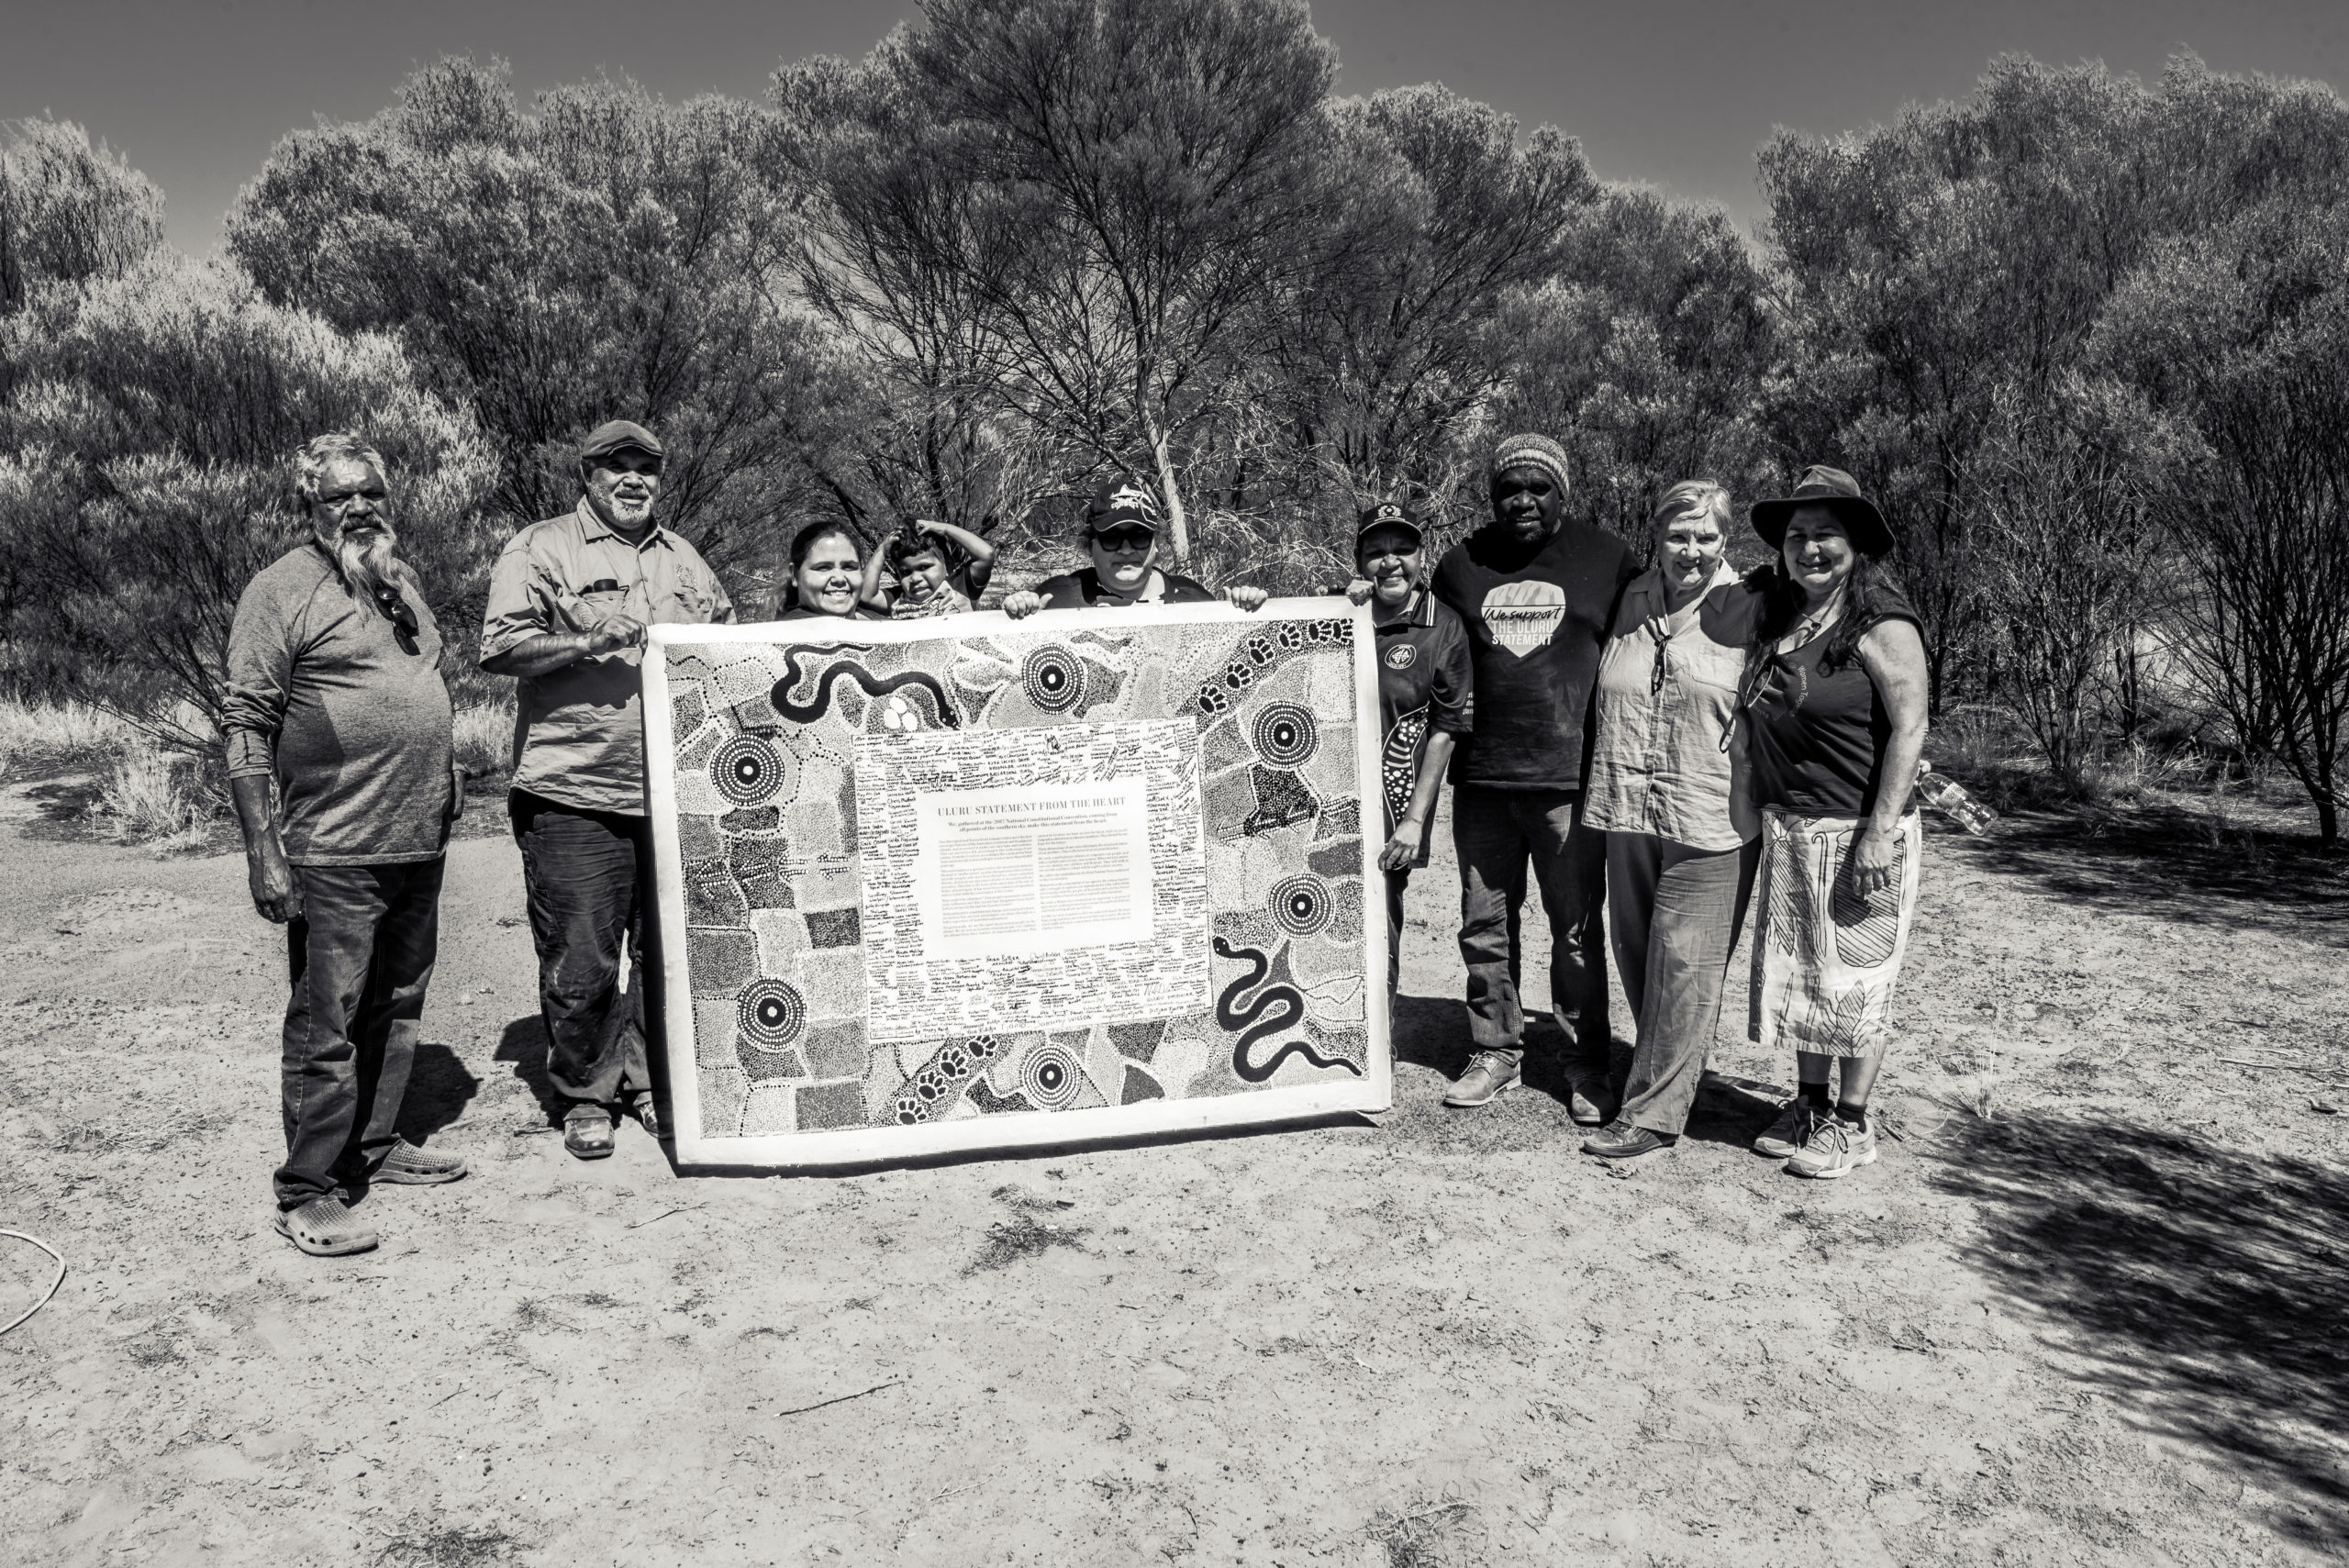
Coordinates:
1238	676
936	1086
1260	649
1212	701
897	716
1292	635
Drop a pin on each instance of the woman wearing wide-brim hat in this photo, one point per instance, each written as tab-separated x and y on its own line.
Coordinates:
1833	703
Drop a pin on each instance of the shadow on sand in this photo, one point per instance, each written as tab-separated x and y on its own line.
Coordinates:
2204	1287
439	1087
2167	862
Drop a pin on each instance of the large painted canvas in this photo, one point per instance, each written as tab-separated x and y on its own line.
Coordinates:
968	883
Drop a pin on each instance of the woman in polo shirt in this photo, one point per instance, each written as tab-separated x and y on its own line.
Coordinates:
1425	679
1121	534
1667	784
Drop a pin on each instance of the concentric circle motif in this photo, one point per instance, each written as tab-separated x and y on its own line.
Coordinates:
747	771
1050	1076
770	1013
1286	736
1301	904
1053	677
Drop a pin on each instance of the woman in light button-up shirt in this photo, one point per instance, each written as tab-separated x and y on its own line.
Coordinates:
1667	783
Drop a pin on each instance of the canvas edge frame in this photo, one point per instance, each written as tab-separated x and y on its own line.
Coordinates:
864	1146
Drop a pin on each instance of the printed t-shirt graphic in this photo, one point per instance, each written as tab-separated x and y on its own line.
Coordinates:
1524	616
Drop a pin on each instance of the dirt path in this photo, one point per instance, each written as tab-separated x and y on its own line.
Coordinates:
2103	1324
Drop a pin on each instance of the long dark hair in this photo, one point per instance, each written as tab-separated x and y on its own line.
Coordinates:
1871	594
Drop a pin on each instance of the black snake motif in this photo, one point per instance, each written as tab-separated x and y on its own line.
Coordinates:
802	713
1226	1014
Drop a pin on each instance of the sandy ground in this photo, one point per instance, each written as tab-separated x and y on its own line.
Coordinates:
2087	1309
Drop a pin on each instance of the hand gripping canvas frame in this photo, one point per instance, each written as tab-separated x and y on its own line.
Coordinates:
794	941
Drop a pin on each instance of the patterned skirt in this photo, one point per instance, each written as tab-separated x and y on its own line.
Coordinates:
1824	957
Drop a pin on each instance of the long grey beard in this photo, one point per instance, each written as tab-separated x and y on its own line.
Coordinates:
373	566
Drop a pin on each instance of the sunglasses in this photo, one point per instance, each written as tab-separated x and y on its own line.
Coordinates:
402	614
1127	538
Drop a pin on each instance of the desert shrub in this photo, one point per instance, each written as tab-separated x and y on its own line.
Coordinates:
60	731
145	439
152	793
485	736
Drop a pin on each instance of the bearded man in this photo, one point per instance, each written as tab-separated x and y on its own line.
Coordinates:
569	603
334	694
1536	591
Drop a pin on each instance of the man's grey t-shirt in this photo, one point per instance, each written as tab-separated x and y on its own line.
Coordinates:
355	728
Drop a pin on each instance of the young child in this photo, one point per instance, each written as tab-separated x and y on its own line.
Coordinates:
941	570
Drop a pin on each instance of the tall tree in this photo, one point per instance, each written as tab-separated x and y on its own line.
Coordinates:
145	476
1156	151
606	255
2244	332
69	210
906	258
1435	215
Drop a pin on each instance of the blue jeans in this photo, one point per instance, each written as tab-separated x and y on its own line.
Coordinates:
1498	832
361	955
1676	913
586	875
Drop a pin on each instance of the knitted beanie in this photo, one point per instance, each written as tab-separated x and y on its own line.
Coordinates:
1530	451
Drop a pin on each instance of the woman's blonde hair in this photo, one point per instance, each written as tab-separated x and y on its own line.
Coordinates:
1692	497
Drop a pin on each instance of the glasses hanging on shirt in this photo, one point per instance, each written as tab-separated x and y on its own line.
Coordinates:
402	614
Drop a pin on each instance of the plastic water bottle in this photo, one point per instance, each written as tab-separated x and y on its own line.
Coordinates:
1949	797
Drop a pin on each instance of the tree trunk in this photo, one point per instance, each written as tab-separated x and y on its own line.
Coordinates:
1178	523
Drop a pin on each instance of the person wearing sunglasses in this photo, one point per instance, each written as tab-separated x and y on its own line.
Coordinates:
1122	535
1668	786
335	697
569	602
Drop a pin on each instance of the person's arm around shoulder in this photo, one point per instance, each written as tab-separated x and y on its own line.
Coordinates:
259	683
517	637
1893	653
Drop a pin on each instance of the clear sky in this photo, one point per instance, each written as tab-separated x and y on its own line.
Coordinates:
1675	93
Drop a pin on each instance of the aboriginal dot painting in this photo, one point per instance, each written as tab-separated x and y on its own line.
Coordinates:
929	891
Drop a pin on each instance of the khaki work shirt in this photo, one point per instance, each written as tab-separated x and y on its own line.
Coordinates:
579	730
1659	765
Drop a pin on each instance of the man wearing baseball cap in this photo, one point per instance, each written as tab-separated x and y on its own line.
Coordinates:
1425	680
569	602
1536	593
1121	536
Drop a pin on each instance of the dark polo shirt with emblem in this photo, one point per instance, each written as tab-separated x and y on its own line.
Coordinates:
1425	682
1537	622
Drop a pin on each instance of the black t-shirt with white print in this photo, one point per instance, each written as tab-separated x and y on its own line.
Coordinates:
1537	620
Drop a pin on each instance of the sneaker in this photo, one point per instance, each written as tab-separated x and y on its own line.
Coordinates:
1625	1140
1837	1148
1789	1132
406	1165
324	1228
1489	1076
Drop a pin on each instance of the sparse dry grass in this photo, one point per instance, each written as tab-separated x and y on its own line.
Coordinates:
485	739
42	732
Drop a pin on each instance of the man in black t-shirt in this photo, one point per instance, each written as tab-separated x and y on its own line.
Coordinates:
1535	592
